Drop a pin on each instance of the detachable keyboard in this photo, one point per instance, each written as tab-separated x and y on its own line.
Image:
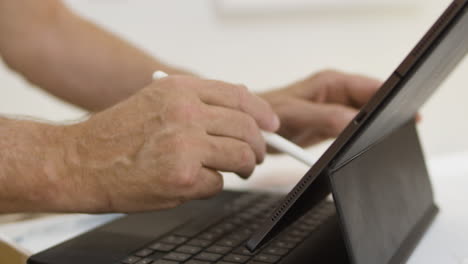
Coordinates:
220	237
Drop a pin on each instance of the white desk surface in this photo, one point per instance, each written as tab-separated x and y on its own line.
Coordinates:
445	242
447	239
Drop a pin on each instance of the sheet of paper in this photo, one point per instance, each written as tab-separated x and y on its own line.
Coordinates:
36	235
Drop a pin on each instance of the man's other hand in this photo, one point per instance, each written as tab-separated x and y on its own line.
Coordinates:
320	107
166	145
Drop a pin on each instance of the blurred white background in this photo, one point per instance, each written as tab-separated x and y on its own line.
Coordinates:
267	48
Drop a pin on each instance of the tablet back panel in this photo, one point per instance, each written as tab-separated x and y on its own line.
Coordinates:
384	199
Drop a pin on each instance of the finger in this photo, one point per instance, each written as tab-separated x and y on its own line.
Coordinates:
237	125
238	97
229	155
318	121
332	119
210	183
349	89
360	89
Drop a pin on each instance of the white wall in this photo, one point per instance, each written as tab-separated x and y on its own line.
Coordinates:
268	50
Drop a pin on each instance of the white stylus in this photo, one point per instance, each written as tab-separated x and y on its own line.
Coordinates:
274	140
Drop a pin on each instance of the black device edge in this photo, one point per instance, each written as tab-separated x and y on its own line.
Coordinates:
408	245
403	252
275	223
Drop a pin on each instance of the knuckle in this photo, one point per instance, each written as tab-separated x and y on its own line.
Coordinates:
182	175
331	77
178	142
184	111
215	187
247	158
178	85
328	73
184	180
250	127
212	184
181	145
218	185
150	94
175	82
252	135
242	89
241	94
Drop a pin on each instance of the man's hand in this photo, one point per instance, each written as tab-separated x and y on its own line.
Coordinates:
320	106
165	145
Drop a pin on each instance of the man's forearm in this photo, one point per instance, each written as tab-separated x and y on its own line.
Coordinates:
70	57
31	167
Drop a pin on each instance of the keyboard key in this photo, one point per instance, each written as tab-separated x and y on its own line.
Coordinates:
306	228
210	236
238	237
252	213
238	221
246	199
246	230
276	251
194	261
145	261
177	256
283	244
197	225
236	258
208	256
243	251
163	261
218	231
228	242
189	249
267	258
312	221
144	252
199	243
255	226
219	249
245	216
176	240
227	226
162	247
313	218
298	233
130	260
292	239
